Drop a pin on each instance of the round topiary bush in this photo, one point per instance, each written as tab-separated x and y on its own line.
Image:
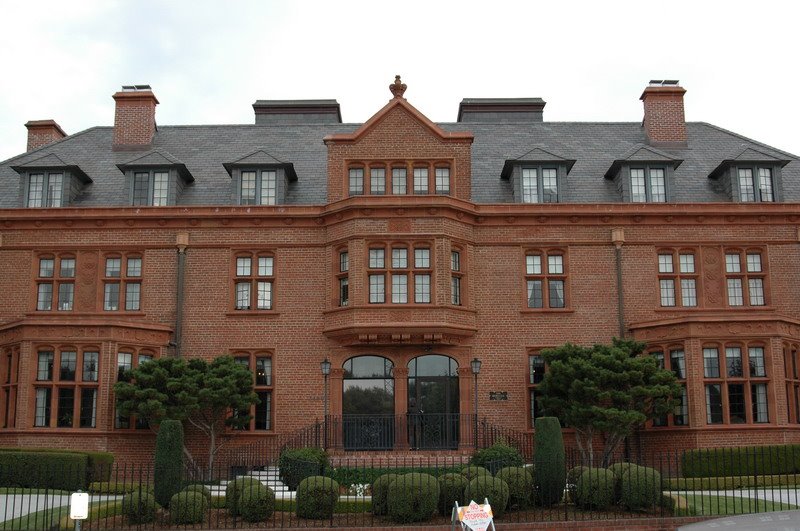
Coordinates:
473	471
595	489
139	507
497	456
257	504
640	488
234	491
188	508
520	486
413	497
493	489
317	497
619	469
202	489
451	490
572	480
380	491
297	464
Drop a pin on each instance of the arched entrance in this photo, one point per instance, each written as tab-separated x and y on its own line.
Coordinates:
433	402
368	404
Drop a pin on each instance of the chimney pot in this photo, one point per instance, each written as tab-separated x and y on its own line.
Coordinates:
43	132
134	117
664	120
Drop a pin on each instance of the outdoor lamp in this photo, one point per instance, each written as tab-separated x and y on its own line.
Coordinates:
326	366
476	365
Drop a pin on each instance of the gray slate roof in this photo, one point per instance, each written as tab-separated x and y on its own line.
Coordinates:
204	150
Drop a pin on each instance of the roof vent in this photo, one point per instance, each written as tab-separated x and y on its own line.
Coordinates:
136	88
663	83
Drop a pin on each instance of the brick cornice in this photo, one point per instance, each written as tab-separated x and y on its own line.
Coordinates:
717	325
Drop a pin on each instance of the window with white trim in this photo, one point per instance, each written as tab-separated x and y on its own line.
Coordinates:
150	188
253	282
648	185
677	278
405	274
66	387
756	184
122	283
55	283
545	279
745	277
45	189
258	187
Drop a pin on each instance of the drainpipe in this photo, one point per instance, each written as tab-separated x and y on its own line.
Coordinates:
182	241
618	238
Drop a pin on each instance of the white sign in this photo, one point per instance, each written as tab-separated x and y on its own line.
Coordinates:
476	517
79	506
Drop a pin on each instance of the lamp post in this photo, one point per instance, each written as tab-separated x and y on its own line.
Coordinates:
325	366
476	369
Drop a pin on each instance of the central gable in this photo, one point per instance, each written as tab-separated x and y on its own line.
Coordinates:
398	136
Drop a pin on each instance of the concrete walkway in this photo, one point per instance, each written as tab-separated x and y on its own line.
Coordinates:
783	494
16	505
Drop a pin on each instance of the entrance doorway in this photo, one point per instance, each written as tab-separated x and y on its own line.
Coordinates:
433	403
368	404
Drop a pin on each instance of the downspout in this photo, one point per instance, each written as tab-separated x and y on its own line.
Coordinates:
182	241
618	238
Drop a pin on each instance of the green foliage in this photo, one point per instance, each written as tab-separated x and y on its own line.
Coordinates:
99	463
473	471
451	490
595	489
298	464
497	456
493	489
257	504
317	497
741	461
549	460
413	497
202	489
607	390
139	507
730	482
618	469
572	480
117	487
640	488
520	486
347	476
54	470
380	492
234	490
168	467
188	508
196	391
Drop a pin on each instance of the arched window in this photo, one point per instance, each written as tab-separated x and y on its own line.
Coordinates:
368	386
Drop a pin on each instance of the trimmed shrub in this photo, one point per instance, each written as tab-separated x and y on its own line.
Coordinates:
595	489
618	469
188	508
413	498
471	472
520	486
202	489
493	489
298	464
118	487
168	468
549	460
640	488
742	461
234	490
99	463
497	456
257	504
572	480
44	470
733	482
317	497
380	492
451	490
139	507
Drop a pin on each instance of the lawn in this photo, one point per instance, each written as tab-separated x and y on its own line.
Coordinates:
710	505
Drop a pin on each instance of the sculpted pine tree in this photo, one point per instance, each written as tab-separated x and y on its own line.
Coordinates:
196	392
605	390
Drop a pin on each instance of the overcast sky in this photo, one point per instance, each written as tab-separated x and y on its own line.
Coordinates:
209	61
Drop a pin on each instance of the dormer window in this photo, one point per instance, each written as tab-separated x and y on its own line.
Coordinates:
150	188
752	176
648	184
45	189
755	184
155	179
537	176
49	182
539	185
260	179
258	187
644	175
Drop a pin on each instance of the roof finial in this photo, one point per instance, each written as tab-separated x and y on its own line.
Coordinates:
398	88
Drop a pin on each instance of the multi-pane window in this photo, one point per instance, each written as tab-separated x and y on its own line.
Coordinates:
66	387
420	180
127	361
536	370
55	283
261	365
380	178
356	181
736	394
150	188
756	184
404	276
791	369
343	278
545	279
254	278
443	181
677	278
539	185
45	189
258	187
456	277
648	185
122	283
674	361
377	181
9	372
745	278
399	181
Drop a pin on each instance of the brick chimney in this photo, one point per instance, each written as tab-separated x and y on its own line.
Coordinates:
43	132
134	118
664	121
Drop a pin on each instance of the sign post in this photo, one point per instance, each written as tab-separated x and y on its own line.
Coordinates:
79	508
474	517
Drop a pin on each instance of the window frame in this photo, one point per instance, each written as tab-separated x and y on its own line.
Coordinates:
150	200
745	276
746	379
9	391
138	355
755	173
123	281
412	273
545	278
47	200
539	170
55	281
253	280
458	276
56	382
252	357
399	175
258	186
665	359
677	276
